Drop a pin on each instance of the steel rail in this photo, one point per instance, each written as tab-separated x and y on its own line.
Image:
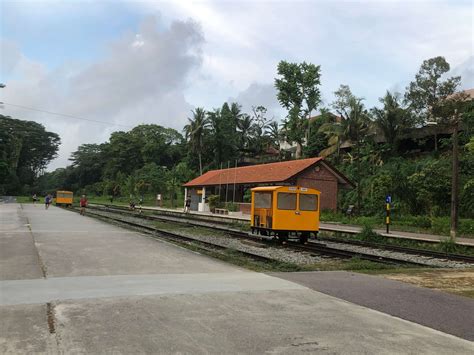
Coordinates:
310	248
166	235
327	250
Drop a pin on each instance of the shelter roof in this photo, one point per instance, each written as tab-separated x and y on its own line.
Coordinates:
262	173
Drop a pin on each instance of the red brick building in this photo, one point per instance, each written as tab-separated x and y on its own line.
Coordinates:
231	184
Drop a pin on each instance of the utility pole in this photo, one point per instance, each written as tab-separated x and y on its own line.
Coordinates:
455	179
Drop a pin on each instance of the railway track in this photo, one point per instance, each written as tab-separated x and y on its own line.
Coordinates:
169	236
312	248
315	247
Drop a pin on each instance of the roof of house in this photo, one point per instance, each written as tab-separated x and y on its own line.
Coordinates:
262	173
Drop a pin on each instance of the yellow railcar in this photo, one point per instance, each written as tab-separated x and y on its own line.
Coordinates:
64	198
285	211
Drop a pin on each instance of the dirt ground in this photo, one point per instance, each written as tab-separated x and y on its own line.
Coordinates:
460	282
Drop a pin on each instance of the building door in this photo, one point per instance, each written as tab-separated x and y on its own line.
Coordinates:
194	200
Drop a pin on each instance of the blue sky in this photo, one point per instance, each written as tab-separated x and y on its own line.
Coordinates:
131	62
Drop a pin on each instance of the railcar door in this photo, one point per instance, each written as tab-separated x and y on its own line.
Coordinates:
308	208
287	216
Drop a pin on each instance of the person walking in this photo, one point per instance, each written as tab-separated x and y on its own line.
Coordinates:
83	203
35	198
47	201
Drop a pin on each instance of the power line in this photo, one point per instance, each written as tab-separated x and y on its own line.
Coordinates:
66	115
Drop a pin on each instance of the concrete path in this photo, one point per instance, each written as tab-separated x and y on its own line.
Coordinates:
74	288
438	310
96	288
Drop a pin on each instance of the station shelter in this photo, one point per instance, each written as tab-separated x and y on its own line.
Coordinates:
232	184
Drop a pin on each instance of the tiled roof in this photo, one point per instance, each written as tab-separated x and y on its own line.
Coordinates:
263	173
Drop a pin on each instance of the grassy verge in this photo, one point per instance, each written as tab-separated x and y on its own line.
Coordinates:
458	282
416	224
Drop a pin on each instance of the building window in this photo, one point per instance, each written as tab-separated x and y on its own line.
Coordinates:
262	200
286	201
308	202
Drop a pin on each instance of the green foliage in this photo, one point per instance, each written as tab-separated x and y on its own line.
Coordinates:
298	92
392	120
25	150
214	202
448	246
426	94
369	235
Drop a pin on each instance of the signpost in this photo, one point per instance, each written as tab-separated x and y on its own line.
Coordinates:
388	201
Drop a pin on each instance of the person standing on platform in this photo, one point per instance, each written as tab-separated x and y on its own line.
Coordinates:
187	205
83	203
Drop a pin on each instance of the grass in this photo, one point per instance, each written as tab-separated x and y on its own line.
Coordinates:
28	199
455	281
416	224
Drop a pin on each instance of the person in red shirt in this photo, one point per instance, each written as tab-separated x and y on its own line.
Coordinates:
83	204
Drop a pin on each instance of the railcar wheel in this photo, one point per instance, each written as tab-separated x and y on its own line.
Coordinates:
304	238
283	237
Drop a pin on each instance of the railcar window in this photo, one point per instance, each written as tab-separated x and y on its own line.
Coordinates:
262	200
286	201
308	202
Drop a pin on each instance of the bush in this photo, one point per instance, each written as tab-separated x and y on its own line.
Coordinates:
214	202
369	235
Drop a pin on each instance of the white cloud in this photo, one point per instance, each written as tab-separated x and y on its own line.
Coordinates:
130	84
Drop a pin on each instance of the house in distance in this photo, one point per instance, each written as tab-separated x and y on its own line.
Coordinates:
233	183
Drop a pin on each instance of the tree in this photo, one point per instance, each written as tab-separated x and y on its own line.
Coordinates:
244	125
352	126
316	141
195	131
392	119
88	162
298	92
26	148
425	95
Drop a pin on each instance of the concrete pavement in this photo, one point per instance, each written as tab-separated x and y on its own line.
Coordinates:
109	290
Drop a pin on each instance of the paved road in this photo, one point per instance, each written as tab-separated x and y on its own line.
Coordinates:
438	310
79	285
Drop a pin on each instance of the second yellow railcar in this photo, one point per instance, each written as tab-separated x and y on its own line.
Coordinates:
285	211
64	198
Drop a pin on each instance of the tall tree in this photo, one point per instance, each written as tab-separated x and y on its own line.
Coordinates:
26	148
425	95
195	131
298	92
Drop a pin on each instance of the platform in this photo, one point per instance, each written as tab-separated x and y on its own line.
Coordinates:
73	284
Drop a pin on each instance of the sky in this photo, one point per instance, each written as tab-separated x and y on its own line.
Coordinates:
125	63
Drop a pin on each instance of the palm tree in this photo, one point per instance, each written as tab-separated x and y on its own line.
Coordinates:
353	127
244	124
274	135
195	131
392	119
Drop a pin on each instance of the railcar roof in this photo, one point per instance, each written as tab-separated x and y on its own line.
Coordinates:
274	188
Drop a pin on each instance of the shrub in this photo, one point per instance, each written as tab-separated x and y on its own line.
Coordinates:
369	235
214	202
